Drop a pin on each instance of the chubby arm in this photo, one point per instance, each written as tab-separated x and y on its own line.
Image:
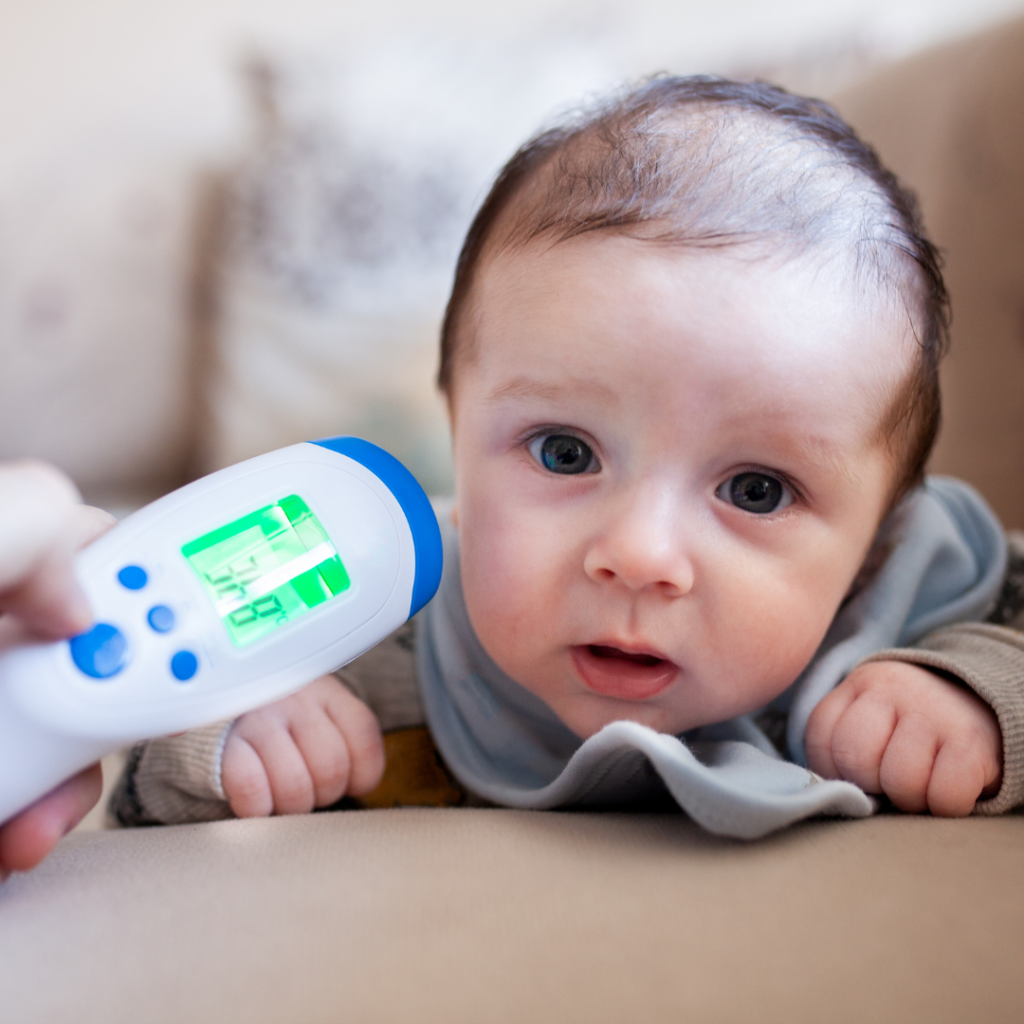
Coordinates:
306	751
893	727
272	759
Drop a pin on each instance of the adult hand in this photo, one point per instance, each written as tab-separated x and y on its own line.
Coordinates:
42	525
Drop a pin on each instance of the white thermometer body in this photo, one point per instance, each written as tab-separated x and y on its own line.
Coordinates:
222	596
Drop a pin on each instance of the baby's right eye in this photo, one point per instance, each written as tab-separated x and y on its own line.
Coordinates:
759	493
564	453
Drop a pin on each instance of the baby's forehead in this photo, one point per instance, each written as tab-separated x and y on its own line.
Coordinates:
824	282
603	313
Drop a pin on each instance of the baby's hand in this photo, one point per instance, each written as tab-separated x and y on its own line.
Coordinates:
308	750
896	728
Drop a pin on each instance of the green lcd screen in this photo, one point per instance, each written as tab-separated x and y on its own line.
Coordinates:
267	568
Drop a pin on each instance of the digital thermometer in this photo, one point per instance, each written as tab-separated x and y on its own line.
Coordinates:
222	596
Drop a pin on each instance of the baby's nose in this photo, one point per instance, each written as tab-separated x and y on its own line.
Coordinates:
644	546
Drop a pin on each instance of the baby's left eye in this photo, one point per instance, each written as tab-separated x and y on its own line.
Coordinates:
755	492
564	453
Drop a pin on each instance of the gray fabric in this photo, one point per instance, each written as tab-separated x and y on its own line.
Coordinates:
946	564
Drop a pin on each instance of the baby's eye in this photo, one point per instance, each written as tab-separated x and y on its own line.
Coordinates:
564	453
755	492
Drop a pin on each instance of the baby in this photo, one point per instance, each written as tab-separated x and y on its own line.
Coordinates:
690	361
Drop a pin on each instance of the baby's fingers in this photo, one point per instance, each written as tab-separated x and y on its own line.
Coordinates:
279	783
957	780
907	765
821	728
324	751
245	781
860	738
357	723
290	781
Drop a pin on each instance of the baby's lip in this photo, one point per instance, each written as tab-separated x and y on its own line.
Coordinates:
622	670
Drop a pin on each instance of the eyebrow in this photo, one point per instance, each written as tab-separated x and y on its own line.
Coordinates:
806	446
527	387
820	452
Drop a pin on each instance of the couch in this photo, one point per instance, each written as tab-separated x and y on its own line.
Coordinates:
501	916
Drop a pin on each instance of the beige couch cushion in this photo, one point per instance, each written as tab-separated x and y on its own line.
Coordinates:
950	122
476	915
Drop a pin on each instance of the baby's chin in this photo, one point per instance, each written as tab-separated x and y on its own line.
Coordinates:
588	713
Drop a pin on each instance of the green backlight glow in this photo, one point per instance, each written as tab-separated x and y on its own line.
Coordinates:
267	568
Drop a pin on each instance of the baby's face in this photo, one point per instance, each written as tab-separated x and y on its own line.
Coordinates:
668	472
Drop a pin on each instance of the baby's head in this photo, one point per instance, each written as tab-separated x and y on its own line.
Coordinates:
691	361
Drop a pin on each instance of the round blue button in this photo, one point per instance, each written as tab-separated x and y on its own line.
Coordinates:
161	618
100	653
184	665
134	577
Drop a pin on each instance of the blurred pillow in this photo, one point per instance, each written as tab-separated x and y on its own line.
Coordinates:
95	254
345	219
948	121
331	291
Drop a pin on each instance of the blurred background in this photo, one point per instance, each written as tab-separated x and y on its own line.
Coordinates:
228	225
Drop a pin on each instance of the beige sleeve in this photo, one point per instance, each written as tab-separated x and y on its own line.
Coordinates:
990	660
174	780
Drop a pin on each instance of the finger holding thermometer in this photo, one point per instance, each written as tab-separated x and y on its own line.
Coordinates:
222	596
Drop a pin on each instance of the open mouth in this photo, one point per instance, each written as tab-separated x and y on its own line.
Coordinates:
628	675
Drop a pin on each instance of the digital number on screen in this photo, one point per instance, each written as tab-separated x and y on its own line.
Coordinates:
267	568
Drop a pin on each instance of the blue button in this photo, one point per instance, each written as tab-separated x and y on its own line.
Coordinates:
161	618
102	652
184	665
133	577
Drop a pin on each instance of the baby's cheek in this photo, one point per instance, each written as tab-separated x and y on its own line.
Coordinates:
774	639
503	582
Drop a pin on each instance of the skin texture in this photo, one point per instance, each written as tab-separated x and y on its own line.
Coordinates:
42	525
680	370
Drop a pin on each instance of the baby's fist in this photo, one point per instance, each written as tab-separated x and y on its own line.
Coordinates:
896	728
308	750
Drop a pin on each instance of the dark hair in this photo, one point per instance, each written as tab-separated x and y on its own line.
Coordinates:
671	154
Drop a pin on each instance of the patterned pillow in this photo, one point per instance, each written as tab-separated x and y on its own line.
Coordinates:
344	221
